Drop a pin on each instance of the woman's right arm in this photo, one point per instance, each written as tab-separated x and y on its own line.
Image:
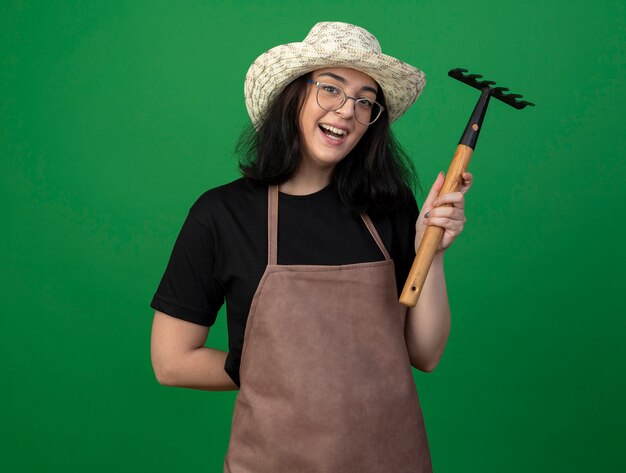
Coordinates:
179	357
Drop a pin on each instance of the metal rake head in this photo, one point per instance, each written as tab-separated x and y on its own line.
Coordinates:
496	92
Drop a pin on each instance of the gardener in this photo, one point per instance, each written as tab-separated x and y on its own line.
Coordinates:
310	250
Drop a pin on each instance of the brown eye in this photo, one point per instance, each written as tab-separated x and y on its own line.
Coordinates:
365	103
330	89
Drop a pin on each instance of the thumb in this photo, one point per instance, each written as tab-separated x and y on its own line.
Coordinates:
434	192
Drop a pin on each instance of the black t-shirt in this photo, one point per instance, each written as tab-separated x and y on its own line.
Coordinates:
221	251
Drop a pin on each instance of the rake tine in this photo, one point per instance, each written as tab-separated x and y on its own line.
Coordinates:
460	74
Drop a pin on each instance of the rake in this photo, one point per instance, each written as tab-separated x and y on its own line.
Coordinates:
460	160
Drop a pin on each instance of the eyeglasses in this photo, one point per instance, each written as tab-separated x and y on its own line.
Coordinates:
331	98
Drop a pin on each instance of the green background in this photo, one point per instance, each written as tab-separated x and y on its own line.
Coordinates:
116	116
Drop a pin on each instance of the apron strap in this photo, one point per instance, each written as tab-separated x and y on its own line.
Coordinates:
370	226
272	228
272	225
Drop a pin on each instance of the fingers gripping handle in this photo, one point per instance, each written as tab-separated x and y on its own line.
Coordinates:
432	235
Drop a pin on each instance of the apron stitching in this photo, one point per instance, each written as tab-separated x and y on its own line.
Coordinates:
251	318
329	268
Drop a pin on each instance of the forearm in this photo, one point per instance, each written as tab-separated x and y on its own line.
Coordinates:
179	357
198	368
428	323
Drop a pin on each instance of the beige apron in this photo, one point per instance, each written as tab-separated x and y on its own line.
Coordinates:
326	383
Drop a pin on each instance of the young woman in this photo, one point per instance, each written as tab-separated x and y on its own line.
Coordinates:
310	250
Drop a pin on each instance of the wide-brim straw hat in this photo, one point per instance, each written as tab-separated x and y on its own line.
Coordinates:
331	44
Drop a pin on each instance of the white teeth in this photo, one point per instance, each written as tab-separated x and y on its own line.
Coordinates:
337	131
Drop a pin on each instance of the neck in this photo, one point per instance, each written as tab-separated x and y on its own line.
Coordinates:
305	182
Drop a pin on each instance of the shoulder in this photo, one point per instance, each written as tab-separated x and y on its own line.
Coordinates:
405	211
408	205
227	194
236	196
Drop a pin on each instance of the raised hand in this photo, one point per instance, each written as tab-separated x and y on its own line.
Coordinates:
446	211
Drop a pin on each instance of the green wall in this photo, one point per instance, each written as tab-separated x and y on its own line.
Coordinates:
116	116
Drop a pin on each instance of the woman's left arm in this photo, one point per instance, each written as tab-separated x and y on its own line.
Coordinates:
428	323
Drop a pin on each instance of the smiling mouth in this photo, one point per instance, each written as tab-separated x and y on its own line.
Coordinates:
333	132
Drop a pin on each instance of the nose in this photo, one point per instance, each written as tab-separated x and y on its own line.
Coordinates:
347	109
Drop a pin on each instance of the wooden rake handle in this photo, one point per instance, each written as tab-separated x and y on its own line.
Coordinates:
432	235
